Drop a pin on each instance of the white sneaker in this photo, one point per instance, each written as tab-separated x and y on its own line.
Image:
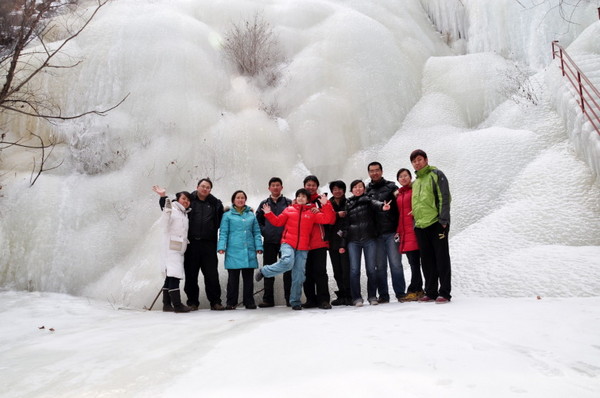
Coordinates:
373	301
358	303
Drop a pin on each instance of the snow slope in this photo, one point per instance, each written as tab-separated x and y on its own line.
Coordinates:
492	347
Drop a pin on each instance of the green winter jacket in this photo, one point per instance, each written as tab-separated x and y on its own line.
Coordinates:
430	198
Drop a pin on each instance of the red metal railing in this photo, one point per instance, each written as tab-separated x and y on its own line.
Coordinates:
588	95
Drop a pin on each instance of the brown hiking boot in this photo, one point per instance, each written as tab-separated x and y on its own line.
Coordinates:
409	297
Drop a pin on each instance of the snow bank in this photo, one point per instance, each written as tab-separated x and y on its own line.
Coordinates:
585	52
476	81
475	347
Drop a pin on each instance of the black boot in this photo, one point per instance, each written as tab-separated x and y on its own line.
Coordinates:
339	301
167	307
176	300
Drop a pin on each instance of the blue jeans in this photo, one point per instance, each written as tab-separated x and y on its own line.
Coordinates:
291	259
354	252
387	250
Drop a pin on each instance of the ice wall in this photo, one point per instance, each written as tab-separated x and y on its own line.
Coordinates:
522	31
362	81
352	73
519	227
518	30
525	208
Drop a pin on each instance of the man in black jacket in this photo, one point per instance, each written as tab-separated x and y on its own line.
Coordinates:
272	240
340	262
387	223
201	254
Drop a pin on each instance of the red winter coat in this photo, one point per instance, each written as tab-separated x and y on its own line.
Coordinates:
299	221
406	223
318	236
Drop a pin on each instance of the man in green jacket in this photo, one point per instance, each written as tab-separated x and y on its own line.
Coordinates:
431	211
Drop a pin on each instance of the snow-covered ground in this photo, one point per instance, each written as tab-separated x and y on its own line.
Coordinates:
473	347
361	81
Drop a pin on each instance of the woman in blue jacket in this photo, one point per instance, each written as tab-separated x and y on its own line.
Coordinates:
240	240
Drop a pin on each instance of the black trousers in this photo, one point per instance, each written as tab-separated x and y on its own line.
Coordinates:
435	258
233	286
201	255
316	285
171	283
416	280
340	262
270	256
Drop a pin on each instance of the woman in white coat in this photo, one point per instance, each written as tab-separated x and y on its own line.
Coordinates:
175	239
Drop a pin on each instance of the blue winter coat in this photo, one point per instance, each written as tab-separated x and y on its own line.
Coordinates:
240	238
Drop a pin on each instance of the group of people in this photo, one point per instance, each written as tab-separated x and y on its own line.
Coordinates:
380	220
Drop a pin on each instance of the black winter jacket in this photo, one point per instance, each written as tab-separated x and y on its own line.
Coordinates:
205	217
271	233
383	190
359	223
336	230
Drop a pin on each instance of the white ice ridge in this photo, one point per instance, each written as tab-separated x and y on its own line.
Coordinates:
361	81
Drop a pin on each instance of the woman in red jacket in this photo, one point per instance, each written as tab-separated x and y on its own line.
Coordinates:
406	235
298	220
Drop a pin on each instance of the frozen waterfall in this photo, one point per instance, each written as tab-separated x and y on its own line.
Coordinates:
361	81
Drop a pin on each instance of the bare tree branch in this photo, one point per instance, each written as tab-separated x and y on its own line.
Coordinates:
27	22
37	171
8	90
253	47
60	116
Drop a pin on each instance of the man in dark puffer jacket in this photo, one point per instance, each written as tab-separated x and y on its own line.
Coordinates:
339	261
387	222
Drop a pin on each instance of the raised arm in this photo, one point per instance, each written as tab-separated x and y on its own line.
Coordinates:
326	215
162	192
278	221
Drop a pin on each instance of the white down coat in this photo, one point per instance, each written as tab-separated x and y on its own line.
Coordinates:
175	226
